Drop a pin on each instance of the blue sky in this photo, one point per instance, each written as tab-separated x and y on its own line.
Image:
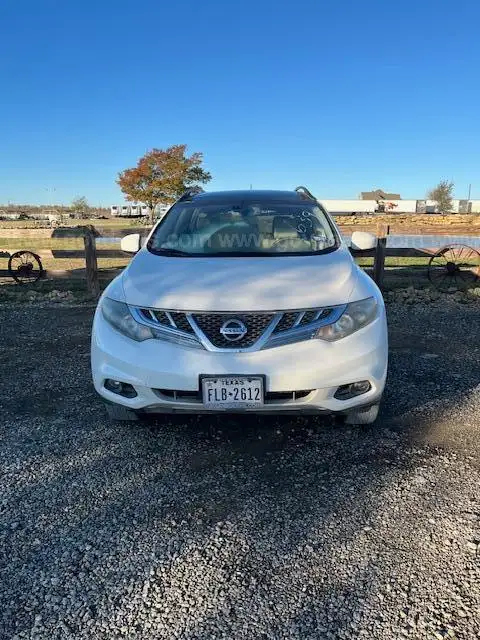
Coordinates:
340	96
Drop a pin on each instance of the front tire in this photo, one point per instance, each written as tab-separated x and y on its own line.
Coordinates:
363	416
119	413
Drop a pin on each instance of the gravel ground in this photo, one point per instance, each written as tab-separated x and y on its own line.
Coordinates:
240	527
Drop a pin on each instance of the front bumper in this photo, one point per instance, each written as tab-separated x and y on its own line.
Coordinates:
316	366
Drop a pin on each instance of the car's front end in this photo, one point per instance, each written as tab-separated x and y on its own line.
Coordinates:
293	333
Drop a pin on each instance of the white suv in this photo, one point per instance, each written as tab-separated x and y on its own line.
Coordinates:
242	301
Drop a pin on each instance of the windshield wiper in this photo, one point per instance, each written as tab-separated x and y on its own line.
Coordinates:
245	254
238	254
171	252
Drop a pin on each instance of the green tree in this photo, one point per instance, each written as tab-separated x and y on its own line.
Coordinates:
442	195
162	175
80	207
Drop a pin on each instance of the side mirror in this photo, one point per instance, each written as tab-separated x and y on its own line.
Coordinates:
130	243
363	241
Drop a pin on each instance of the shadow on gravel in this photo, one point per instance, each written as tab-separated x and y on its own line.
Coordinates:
253	513
434	374
260	506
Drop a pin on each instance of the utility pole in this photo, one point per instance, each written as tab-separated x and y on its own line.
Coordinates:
469	191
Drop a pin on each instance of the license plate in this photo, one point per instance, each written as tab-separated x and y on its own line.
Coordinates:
232	392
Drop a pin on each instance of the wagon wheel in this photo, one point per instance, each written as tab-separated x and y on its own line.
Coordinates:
25	267
454	268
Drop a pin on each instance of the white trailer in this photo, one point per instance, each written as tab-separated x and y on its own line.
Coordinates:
431	206
134	210
125	210
403	206
144	210
4	215
44	215
161	210
455	206
349	207
114	210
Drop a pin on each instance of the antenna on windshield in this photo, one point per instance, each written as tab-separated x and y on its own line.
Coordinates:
305	192
190	193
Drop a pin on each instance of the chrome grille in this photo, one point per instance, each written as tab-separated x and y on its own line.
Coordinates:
181	322
162	318
169	326
287	321
293	319
265	330
153	315
211	323
172	319
308	316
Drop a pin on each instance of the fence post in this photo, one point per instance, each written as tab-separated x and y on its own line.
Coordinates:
91	265
379	260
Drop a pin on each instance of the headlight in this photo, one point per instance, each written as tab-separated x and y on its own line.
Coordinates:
118	315
356	315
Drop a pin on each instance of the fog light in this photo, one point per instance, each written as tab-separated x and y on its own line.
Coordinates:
347	391
120	388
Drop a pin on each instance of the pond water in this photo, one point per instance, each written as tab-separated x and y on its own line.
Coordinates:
108	240
425	241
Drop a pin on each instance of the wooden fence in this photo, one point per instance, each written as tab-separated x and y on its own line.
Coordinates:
90	253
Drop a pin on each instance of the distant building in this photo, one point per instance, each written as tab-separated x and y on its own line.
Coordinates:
379	194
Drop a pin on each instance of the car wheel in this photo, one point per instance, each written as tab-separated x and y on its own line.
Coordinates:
119	413
365	416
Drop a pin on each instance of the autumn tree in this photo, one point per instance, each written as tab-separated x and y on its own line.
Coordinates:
80	207
162	175
442	195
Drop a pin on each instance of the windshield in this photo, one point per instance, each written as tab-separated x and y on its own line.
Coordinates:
263	229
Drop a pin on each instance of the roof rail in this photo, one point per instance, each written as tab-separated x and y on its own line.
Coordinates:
189	193
305	192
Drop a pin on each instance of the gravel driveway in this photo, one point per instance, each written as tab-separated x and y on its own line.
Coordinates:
240	527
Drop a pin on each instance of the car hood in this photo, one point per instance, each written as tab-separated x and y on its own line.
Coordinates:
239	284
